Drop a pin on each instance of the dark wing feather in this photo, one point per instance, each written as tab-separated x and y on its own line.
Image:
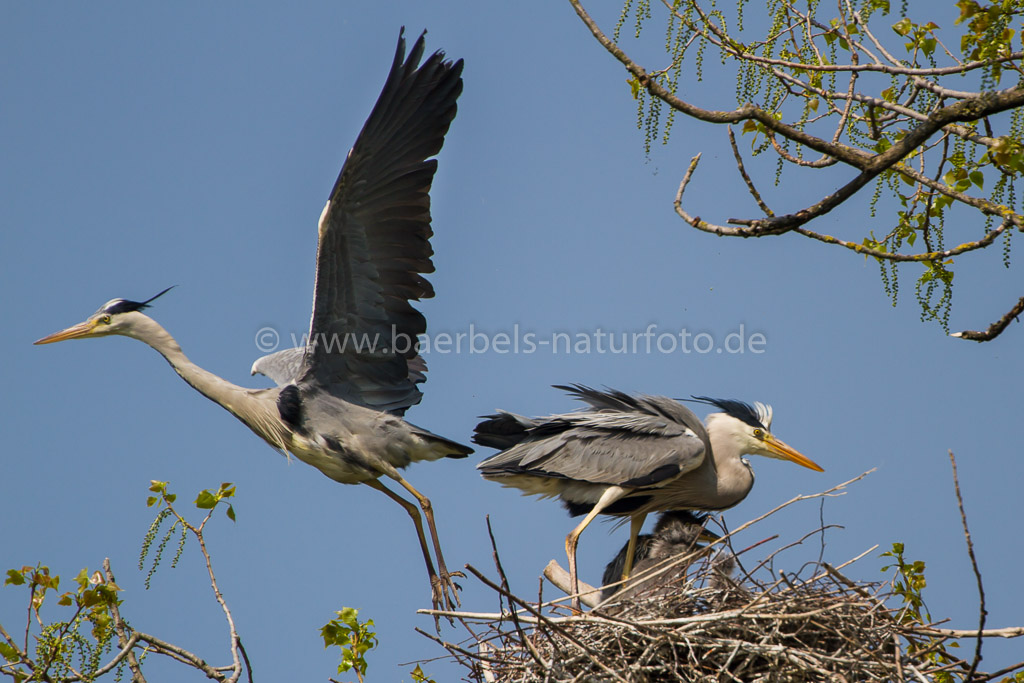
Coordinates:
502	430
375	241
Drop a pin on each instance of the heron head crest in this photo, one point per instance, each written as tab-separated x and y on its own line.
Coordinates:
115	306
758	415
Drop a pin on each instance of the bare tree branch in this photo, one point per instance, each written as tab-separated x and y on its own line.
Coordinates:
995	328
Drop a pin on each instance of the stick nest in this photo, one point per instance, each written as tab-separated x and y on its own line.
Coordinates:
704	619
708	627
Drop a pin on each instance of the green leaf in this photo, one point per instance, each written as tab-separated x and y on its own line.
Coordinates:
14	578
968	8
44	580
634	87
903	26
231	513
206	500
419	677
349	616
978	178
90	597
9	652
330	631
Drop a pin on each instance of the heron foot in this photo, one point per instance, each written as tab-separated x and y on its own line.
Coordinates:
445	594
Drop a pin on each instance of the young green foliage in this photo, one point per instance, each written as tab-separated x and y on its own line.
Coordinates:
179	526
908	584
72	644
419	677
88	627
846	83
355	639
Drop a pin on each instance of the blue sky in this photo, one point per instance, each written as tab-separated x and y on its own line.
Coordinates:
194	145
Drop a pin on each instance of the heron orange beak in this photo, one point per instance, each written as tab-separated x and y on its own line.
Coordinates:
786	452
82	329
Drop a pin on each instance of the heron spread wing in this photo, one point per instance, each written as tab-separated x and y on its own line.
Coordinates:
374	241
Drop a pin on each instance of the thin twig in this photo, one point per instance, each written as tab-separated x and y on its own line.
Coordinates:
746	178
982	613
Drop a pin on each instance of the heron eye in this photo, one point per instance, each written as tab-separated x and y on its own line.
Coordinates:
758	434
105	320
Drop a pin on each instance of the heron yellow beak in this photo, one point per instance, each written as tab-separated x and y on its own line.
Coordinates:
786	452
708	536
82	329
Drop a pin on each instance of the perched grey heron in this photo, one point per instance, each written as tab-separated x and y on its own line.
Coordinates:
676	532
341	398
627	456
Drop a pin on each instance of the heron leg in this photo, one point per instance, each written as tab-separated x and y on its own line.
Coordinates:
635	524
610	495
439	597
428	511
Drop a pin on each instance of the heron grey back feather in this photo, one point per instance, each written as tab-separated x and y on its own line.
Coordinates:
620	440
283	367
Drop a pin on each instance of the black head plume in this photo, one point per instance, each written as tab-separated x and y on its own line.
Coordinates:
124	305
744	412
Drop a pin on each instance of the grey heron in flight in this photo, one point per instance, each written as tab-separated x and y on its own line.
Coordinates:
339	405
628	456
676	532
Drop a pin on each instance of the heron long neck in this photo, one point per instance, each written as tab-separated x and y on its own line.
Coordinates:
734	477
241	402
